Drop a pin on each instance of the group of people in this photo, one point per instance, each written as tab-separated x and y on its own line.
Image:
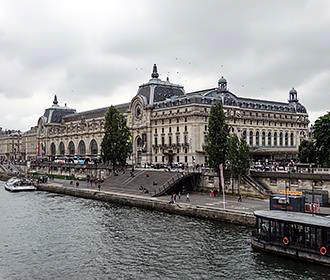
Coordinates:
175	196
91	181
143	189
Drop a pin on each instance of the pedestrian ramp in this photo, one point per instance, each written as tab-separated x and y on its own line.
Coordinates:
182	182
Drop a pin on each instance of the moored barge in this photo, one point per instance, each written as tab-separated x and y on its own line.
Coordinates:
293	234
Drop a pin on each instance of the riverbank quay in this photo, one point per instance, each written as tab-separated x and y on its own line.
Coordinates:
4	177
181	208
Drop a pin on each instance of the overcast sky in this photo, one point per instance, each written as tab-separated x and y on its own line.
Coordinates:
96	53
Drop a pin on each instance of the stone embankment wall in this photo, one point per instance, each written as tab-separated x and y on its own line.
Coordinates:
274	181
277	181
4	177
210	181
185	209
76	170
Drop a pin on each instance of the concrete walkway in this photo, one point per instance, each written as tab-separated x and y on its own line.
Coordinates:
198	199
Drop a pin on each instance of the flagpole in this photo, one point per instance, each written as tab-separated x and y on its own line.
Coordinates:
223	186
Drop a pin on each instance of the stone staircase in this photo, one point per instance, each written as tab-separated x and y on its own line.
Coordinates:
148	179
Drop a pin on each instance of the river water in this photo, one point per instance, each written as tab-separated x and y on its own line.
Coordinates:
50	236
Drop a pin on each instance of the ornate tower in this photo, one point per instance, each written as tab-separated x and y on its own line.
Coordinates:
222	84
293	96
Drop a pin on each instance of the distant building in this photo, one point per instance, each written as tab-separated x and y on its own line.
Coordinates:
11	145
169	125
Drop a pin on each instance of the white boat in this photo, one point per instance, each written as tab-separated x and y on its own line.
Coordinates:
19	185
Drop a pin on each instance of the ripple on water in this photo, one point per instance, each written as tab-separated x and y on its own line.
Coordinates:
51	236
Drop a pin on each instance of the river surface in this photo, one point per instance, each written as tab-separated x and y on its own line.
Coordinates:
50	236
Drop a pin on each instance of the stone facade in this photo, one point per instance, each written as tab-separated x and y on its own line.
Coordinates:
169	125
11	145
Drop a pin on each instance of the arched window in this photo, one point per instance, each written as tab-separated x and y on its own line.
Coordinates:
286	139
281	138
257	138
62	149
71	148
263	138
269	138
52	149
93	147
292	139
275	139
244	135
81	148
251	138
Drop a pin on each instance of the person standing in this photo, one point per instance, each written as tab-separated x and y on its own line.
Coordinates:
99	187
188	198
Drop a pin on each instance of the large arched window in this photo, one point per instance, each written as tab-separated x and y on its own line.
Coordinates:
62	149
81	148
286	139
251	138
52	149
269	138
244	135
71	148
257	138
93	147
263	139
275	138
281	138
292	139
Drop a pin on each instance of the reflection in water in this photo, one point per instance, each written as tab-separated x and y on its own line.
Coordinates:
50	236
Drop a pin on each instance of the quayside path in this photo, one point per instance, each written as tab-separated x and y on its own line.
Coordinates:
199	199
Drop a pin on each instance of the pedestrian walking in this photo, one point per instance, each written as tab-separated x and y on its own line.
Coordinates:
239	198
77	184
99	186
188	198
179	195
174	198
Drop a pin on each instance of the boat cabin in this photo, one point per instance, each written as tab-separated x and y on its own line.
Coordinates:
293	233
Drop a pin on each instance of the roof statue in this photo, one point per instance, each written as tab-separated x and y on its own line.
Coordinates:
154	74
55	102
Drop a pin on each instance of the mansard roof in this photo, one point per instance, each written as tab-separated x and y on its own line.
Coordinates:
156	90
96	113
210	96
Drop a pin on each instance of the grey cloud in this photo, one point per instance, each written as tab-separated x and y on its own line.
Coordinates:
263	48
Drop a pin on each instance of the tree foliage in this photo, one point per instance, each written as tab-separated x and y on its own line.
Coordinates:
238	159
238	155
322	139
218	133
307	152
115	145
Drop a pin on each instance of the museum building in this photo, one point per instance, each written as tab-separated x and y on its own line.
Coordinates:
170	125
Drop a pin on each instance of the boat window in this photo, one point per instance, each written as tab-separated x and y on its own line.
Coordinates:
313	237
328	236
307	236
319	237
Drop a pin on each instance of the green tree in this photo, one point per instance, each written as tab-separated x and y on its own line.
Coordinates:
307	152
322	139
115	145
238	158
218	133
